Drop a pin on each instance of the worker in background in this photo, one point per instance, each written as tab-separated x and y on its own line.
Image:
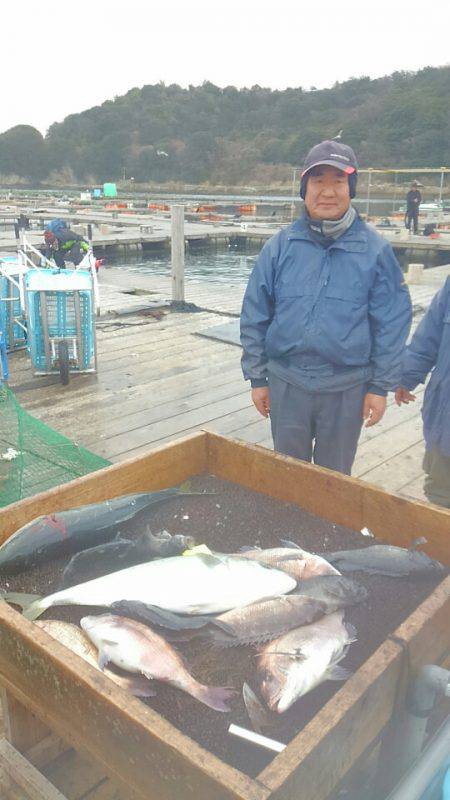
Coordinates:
413	201
62	244
429	351
324	320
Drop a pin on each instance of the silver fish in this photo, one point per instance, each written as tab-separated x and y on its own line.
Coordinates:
194	584
74	639
292	665
136	648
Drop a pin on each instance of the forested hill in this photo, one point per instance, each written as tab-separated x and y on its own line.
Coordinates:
208	134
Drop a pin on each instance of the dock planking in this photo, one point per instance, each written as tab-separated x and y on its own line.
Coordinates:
157	381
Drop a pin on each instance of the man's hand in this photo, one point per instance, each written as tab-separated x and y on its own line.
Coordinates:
373	409
261	400
403	396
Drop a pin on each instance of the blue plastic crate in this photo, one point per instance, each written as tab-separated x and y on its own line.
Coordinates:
60	288
11	312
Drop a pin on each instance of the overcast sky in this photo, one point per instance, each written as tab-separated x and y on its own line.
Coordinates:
63	57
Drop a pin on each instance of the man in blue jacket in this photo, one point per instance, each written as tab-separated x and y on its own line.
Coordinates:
429	351
324	320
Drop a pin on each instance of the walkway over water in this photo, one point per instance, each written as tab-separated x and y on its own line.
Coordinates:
158	380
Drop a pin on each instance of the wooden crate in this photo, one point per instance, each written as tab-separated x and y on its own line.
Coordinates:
49	693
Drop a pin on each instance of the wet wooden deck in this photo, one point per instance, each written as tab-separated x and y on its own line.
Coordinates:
158	380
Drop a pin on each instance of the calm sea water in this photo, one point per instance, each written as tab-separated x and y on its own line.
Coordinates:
219	264
205	264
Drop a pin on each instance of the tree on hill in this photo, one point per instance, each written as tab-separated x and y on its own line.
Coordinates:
229	135
23	152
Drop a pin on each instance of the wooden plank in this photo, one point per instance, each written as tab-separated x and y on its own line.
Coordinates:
73	775
144	436
223	424
164	466
414	490
33	783
21	728
314	762
46	750
320	491
401	468
347	501
135	745
151	411
399	521
160	388
107	790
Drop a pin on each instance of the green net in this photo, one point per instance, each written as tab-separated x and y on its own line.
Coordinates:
34	457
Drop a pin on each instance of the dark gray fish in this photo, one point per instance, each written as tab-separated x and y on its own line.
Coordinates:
65	532
383	559
121	553
162	617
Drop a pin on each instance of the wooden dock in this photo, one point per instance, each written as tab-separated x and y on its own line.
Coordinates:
142	229
158	380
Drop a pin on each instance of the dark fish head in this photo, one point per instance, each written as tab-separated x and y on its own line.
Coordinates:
420	562
346	591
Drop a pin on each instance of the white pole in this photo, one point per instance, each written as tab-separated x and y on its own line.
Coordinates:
256	738
441	187
177	245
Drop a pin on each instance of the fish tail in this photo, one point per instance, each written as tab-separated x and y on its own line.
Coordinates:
216	697
32	605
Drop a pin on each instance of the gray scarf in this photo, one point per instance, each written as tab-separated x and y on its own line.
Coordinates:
333	228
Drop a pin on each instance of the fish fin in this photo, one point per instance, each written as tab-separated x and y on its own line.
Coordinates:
288	543
31	604
352	632
119	538
417	543
258	714
209	559
161	616
248	548
337	673
103	657
20	598
216	697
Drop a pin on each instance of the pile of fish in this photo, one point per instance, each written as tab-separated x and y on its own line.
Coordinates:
285	601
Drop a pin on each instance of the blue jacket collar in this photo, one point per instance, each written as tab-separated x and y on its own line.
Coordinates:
355	239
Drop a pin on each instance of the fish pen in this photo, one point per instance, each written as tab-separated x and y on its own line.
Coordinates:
64	717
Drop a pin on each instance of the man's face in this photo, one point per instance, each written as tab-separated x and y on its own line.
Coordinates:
327	193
